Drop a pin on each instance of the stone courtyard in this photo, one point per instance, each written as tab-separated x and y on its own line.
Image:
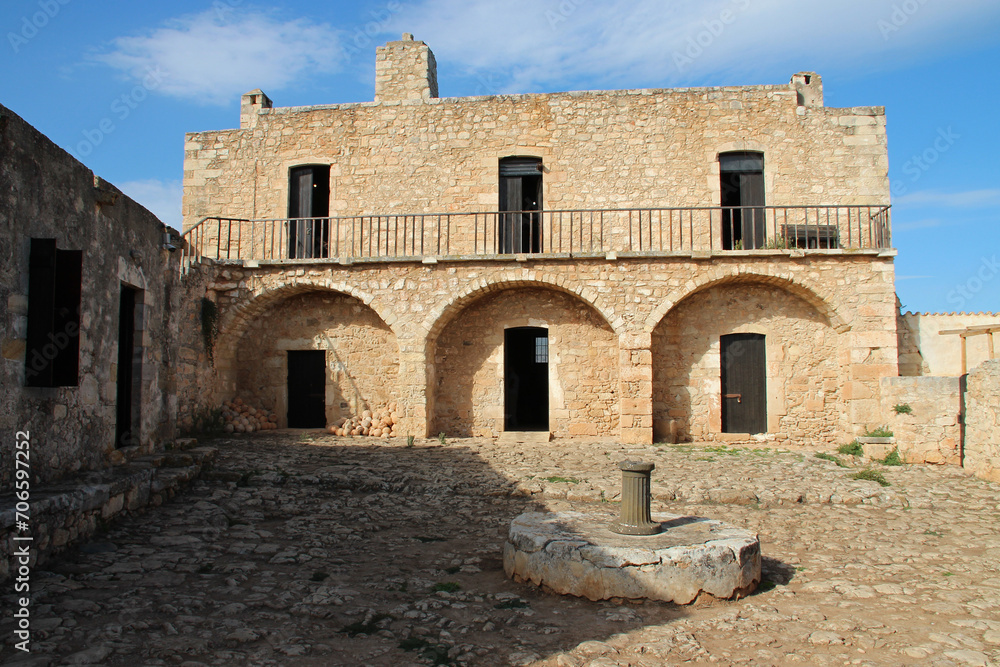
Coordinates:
300	548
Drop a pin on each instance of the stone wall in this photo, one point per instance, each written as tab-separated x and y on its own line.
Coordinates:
609	314
600	149
932	431
923	351
804	356
982	421
46	193
583	370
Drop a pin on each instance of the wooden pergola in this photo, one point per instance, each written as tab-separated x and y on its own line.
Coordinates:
983	329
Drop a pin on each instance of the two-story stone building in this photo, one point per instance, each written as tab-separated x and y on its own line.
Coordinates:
642	264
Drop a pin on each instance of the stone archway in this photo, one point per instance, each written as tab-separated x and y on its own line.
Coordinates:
466	357
804	357
361	353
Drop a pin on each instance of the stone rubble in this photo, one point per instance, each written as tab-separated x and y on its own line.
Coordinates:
309	549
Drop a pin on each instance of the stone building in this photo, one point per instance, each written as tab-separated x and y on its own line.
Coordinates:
707	263
84	279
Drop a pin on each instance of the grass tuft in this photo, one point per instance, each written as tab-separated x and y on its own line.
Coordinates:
830	457
872	476
892	459
851	449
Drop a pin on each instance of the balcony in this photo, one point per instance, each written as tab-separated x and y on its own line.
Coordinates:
549	233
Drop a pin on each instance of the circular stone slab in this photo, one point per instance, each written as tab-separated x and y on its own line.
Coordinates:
576	554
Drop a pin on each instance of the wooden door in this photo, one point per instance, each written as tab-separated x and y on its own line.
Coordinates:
744	384
306	388
308	211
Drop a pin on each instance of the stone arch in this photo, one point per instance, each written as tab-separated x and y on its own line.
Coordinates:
240	312
361	349
441	315
466	367
805	360
825	305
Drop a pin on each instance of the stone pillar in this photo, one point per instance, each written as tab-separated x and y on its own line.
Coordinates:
414	383
405	70
636	518
873	345
636	388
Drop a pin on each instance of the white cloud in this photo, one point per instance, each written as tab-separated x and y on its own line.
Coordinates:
215	56
967	199
162	198
525	44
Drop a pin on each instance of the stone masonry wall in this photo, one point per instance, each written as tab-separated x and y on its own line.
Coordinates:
600	149
841	299
583	355
923	351
804	359
362	355
46	193
982	421
932	432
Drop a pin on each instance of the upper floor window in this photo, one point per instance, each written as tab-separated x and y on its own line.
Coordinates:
520	221
309	211
742	176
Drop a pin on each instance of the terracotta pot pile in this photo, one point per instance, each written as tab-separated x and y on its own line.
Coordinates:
378	423
241	417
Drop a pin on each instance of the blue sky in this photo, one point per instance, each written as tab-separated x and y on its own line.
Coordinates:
118	83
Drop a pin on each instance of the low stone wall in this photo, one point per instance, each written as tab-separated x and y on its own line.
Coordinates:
63	514
982	421
931	432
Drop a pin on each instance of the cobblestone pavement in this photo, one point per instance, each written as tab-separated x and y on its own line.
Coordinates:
306	549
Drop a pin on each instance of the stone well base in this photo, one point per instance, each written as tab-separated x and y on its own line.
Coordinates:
576	554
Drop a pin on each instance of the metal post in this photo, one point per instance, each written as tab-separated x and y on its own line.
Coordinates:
635	516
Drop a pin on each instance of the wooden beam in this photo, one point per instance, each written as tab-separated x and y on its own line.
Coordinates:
979	329
964	369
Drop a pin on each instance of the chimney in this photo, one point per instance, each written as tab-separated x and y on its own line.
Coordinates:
405	70
250	105
808	87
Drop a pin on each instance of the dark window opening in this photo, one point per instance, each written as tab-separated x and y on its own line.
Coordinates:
129	375
744	383
742	180
526	379
520	224
306	388
55	282
309	212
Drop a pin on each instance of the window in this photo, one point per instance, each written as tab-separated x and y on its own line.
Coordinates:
52	356
542	350
520	225
309	211
742	176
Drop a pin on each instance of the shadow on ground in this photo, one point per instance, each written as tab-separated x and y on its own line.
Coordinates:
305	549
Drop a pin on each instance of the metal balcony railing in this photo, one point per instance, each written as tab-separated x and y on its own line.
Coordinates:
574	232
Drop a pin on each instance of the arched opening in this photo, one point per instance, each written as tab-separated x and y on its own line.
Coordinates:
783	347
279	354
469	371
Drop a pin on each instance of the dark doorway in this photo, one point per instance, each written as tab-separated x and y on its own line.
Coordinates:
520	224
309	211
129	376
742	176
306	388
744	384
526	379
